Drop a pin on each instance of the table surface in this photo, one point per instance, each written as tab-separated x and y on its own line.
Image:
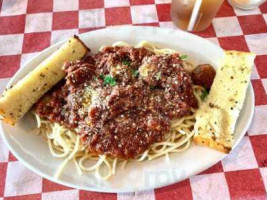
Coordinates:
29	26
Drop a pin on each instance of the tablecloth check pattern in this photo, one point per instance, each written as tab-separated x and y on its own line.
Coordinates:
29	26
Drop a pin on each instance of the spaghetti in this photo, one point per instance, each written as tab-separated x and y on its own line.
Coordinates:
65	143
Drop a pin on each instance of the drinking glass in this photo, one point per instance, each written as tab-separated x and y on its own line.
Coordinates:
194	15
246	4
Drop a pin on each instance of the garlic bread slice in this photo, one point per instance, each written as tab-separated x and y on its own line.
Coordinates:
19	98
217	116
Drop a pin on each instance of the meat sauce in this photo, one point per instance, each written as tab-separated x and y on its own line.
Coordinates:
120	100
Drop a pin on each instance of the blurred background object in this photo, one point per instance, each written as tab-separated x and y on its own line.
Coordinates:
194	15
246	4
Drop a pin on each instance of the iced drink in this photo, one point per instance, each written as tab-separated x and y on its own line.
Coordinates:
194	15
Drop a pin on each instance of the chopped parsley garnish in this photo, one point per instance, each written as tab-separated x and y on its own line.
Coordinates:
135	73
204	94
183	57
108	80
126	62
102	76
152	87
158	75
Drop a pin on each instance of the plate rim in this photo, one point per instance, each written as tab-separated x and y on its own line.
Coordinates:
109	190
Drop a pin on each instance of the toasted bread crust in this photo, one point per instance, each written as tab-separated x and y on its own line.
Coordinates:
211	143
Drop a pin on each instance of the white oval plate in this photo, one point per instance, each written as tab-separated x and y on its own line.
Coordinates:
33	151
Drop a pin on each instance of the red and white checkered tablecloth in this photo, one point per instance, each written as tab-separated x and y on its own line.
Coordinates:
29	26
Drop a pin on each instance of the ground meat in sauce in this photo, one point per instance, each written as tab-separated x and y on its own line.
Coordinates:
136	94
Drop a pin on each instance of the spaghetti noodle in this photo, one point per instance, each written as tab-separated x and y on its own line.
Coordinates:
65	143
